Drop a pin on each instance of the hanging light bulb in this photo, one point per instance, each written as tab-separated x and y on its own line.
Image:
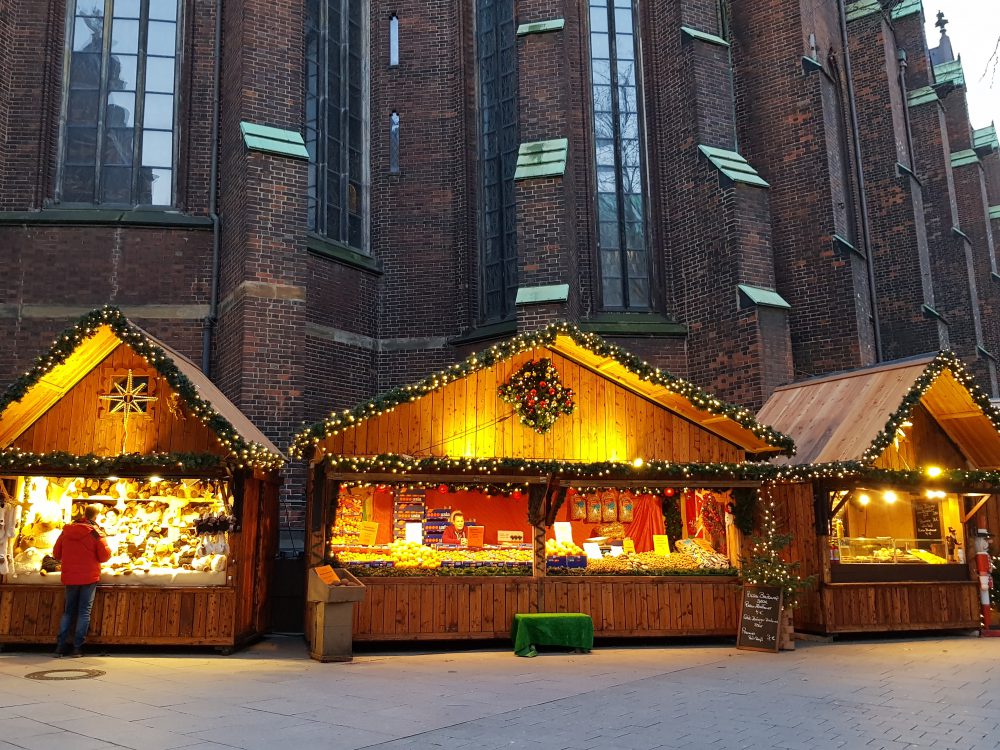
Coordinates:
933	471
889	496
863	500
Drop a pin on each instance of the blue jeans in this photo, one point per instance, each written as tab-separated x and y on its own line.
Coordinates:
79	602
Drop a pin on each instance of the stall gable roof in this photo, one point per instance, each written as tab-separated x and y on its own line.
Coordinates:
732	423
78	350
854	416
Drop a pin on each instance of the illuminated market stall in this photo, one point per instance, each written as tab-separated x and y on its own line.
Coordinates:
898	466
186	485
554	472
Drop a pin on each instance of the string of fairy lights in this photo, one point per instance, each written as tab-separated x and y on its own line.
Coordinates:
638	471
242	453
311	436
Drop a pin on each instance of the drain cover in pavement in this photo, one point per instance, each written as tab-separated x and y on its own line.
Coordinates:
65	674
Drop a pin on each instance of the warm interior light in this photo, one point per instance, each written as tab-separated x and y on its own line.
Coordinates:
935	494
933	471
864	499
637	462
154	479
907	423
889	496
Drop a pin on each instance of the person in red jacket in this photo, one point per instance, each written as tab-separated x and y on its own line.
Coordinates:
81	548
456	533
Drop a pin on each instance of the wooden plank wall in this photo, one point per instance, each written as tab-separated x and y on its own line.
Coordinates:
857	608
79	422
925	444
467	418
794	514
469	608
123	615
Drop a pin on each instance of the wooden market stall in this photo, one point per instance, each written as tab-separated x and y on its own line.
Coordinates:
544	444
896	470
187	485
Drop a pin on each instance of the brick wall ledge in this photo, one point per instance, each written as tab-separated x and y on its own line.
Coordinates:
137	312
486	333
105	217
650	325
336	251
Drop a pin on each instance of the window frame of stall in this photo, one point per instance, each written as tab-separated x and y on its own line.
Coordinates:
60	421
914	430
397	439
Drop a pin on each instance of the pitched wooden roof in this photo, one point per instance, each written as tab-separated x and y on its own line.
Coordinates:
853	416
585	355
82	348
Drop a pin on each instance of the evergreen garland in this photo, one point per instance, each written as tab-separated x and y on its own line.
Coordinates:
13	460
837	473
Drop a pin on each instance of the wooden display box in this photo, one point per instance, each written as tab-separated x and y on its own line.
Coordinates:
330	616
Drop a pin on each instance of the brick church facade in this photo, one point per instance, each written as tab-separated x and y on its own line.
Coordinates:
321	199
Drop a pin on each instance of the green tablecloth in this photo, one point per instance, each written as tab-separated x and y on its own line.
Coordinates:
551	629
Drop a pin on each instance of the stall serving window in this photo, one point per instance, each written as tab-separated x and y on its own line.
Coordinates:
160	532
909	530
390	530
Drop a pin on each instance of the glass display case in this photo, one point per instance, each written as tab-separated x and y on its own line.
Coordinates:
884	549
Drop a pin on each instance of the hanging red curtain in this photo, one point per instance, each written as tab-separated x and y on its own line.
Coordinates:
647	520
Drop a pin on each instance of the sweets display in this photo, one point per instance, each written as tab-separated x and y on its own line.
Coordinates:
159	532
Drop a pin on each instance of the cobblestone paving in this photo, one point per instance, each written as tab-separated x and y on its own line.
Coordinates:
893	694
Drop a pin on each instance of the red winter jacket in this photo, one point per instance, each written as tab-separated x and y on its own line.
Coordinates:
82	549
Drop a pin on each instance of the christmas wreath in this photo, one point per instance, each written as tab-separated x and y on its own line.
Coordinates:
537	395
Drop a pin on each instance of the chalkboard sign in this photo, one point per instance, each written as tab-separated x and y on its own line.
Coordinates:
927	519
760	618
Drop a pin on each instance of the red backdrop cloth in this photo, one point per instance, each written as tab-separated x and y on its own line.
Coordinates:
494	512
500	512
647	520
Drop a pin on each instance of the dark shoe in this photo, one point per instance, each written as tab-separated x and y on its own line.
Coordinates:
58	654
77	652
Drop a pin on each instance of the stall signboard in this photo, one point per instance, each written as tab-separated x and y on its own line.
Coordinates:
927	520
368	533
661	544
760	618
564	532
628	546
327	575
476	535
414	532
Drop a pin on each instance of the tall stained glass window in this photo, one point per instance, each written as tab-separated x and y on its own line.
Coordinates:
624	260
336	117
118	144
498	143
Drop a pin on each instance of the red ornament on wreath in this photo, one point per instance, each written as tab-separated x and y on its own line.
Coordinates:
443	489
521	392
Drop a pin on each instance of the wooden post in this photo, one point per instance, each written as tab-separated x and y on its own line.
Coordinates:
536	517
786	630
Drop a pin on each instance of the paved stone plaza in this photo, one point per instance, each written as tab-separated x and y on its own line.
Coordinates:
926	692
